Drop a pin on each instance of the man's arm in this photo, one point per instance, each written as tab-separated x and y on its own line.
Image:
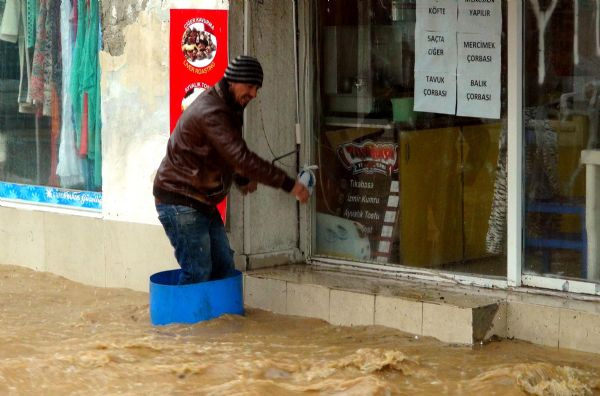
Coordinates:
240	180
232	148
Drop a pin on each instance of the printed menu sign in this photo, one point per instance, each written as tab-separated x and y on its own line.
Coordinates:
480	16
478	80
198	58
372	196
435	92
479	53
458	57
435	51
436	15
478	95
435	57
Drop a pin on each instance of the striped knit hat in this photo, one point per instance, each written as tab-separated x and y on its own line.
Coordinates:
245	69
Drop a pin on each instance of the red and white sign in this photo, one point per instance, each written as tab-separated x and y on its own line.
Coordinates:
369	157
198	59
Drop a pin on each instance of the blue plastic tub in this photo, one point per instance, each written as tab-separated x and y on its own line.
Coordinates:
173	303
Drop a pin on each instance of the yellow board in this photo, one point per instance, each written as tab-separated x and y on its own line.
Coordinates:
431	205
345	135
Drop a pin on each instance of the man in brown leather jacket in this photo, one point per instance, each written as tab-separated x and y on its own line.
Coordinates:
205	155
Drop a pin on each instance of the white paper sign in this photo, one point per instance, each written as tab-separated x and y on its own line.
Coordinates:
479	53
478	95
435	51
478	80
480	16
435	92
458	57
436	15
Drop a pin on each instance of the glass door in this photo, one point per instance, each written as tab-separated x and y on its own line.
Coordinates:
561	107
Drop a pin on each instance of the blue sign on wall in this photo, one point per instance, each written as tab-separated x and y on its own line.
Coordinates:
51	196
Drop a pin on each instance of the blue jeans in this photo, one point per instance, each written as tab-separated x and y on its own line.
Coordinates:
201	245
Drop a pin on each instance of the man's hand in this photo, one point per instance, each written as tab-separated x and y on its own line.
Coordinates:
248	188
300	192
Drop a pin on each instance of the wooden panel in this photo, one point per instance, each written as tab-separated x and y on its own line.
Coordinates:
431	197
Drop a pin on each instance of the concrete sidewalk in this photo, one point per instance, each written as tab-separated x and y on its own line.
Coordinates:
452	313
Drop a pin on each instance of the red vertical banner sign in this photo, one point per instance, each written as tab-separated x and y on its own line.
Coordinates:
198	58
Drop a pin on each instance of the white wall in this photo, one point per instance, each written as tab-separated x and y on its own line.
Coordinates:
135	105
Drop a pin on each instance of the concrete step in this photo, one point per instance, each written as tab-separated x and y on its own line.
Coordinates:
451	313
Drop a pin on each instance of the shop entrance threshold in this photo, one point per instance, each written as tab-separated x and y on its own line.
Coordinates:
451	313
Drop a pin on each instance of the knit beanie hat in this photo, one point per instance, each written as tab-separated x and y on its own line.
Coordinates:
244	69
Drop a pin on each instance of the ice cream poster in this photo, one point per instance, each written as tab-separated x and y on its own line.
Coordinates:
198	56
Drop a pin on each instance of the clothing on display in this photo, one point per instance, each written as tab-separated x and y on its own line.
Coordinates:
541	173
84	87
32	11
9	29
70	167
58	43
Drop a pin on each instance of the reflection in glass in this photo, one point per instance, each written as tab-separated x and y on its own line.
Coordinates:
560	123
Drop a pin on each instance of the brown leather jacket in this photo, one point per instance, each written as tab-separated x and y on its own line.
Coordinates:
206	152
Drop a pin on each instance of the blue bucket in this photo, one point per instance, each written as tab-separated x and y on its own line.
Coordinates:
173	303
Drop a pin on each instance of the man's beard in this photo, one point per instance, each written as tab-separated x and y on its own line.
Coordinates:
245	100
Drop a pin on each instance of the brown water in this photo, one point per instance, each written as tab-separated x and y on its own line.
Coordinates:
60	337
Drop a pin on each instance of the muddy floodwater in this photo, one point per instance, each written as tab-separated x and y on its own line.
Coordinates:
59	337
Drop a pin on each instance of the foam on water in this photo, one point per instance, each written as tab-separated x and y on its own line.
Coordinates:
61	337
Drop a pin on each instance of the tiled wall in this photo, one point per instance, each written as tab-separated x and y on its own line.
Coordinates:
541	321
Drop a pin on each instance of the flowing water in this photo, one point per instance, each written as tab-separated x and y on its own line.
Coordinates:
58	337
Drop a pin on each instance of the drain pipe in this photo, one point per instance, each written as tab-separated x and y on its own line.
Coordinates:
297	126
297	81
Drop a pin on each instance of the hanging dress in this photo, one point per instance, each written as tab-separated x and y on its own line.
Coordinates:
9	26
13	23
70	168
85	89
46	81
91	86
47	62
31	10
541	177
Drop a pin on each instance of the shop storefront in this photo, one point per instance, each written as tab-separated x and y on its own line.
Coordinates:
459	138
453	138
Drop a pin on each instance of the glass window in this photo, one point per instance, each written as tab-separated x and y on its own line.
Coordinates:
50	140
398	186
560	124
